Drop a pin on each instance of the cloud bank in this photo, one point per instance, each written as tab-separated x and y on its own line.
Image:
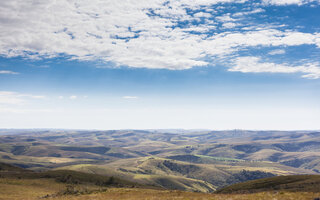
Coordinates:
156	34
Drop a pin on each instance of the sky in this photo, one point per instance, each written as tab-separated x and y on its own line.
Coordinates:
160	64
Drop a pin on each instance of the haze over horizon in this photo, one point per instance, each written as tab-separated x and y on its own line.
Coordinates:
162	64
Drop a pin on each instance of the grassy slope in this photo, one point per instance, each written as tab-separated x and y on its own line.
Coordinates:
27	185
181	175
295	183
67	177
138	194
148	172
27	189
10	168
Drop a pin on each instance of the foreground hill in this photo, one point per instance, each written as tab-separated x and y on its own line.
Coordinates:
35	189
5	168
17	184
173	174
295	183
67	177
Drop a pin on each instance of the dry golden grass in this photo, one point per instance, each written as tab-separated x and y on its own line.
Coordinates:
147	194
25	189
14	189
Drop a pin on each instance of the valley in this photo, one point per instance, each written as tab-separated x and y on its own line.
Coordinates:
195	161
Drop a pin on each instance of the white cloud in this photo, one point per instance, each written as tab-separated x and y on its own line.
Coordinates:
254	65
126	33
288	2
7	72
7	97
130	97
22	103
72	97
226	18
33	96
277	52
202	14
10	98
200	29
257	10
229	25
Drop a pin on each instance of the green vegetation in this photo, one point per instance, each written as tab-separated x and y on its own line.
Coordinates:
221	158
245	175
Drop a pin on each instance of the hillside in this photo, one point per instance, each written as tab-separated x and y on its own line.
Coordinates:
295	183
17	183
67	177
199	160
4	168
34	189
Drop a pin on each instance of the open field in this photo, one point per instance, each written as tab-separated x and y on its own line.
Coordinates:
48	189
127	194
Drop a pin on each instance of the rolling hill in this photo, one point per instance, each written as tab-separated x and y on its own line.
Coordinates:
293	183
200	160
17	183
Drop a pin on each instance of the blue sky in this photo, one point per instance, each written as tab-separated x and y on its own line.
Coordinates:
218	64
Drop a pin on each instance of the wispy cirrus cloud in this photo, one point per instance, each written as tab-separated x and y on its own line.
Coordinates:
15	98
130	97
8	72
277	52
